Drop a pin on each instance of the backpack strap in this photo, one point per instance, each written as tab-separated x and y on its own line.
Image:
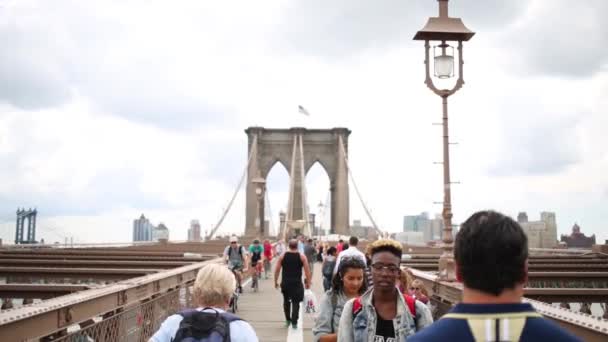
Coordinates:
479	327
409	300
357	306
188	328
411	304
240	251
334	303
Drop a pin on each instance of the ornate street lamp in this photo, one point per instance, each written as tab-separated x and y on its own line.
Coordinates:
444	29
260	188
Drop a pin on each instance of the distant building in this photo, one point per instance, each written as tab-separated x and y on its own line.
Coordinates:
410	238
161	232
142	229
415	223
577	239
194	233
431	229
541	234
363	232
522	217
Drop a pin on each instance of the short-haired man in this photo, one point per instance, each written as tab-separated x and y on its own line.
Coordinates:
352	251
310	252
290	265
491	253
383	313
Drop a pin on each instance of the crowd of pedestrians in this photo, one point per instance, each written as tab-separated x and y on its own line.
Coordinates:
370	298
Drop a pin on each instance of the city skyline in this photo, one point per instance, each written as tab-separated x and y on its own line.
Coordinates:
105	114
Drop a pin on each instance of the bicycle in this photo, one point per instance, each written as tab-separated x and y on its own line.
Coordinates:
255	276
234	299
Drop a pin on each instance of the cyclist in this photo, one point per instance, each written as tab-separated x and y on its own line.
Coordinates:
235	256
267	257
257	257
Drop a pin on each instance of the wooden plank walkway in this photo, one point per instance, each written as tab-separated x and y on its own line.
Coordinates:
264	311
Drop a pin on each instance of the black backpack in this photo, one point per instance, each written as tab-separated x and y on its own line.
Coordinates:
200	326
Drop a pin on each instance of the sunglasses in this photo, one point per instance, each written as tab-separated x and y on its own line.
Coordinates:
414	288
233	243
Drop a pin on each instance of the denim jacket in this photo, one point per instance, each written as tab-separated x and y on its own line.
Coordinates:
328	312
363	327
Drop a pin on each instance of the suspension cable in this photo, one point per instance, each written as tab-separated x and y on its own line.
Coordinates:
254	150
369	215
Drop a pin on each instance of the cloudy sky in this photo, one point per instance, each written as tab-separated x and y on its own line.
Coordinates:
110	109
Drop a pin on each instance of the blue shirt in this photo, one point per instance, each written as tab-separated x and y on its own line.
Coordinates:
240	331
510	320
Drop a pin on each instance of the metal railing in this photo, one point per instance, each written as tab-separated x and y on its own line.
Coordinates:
445	294
129	310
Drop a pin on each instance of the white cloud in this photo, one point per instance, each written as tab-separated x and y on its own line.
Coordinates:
114	109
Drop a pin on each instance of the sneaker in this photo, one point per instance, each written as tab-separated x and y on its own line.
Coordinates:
287	323
294	325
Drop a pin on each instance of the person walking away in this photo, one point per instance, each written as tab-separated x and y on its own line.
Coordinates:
350	250
290	266
383	313
310	252
213	287
327	268
235	256
301	244
267	257
339	246
491	257
348	283
279	248
320	251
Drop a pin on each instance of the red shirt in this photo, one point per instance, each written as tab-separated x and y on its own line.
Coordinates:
267	250
339	247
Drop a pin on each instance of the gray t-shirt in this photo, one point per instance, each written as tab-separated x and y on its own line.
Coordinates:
310	252
234	257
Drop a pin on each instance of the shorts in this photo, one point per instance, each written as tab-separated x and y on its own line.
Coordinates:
235	265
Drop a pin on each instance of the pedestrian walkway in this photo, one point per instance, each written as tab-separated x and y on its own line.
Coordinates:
264	311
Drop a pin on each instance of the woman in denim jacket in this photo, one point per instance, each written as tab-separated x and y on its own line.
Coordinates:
382	314
349	282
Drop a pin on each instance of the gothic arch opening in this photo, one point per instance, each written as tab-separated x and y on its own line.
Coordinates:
317	186
277	191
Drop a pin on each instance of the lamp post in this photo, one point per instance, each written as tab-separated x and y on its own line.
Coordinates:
260	188
311	219
444	29
282	229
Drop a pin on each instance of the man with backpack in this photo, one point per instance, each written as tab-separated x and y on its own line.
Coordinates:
209	322
491	254
383	313
236	257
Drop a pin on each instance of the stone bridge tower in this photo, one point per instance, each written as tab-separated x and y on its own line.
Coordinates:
297	148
